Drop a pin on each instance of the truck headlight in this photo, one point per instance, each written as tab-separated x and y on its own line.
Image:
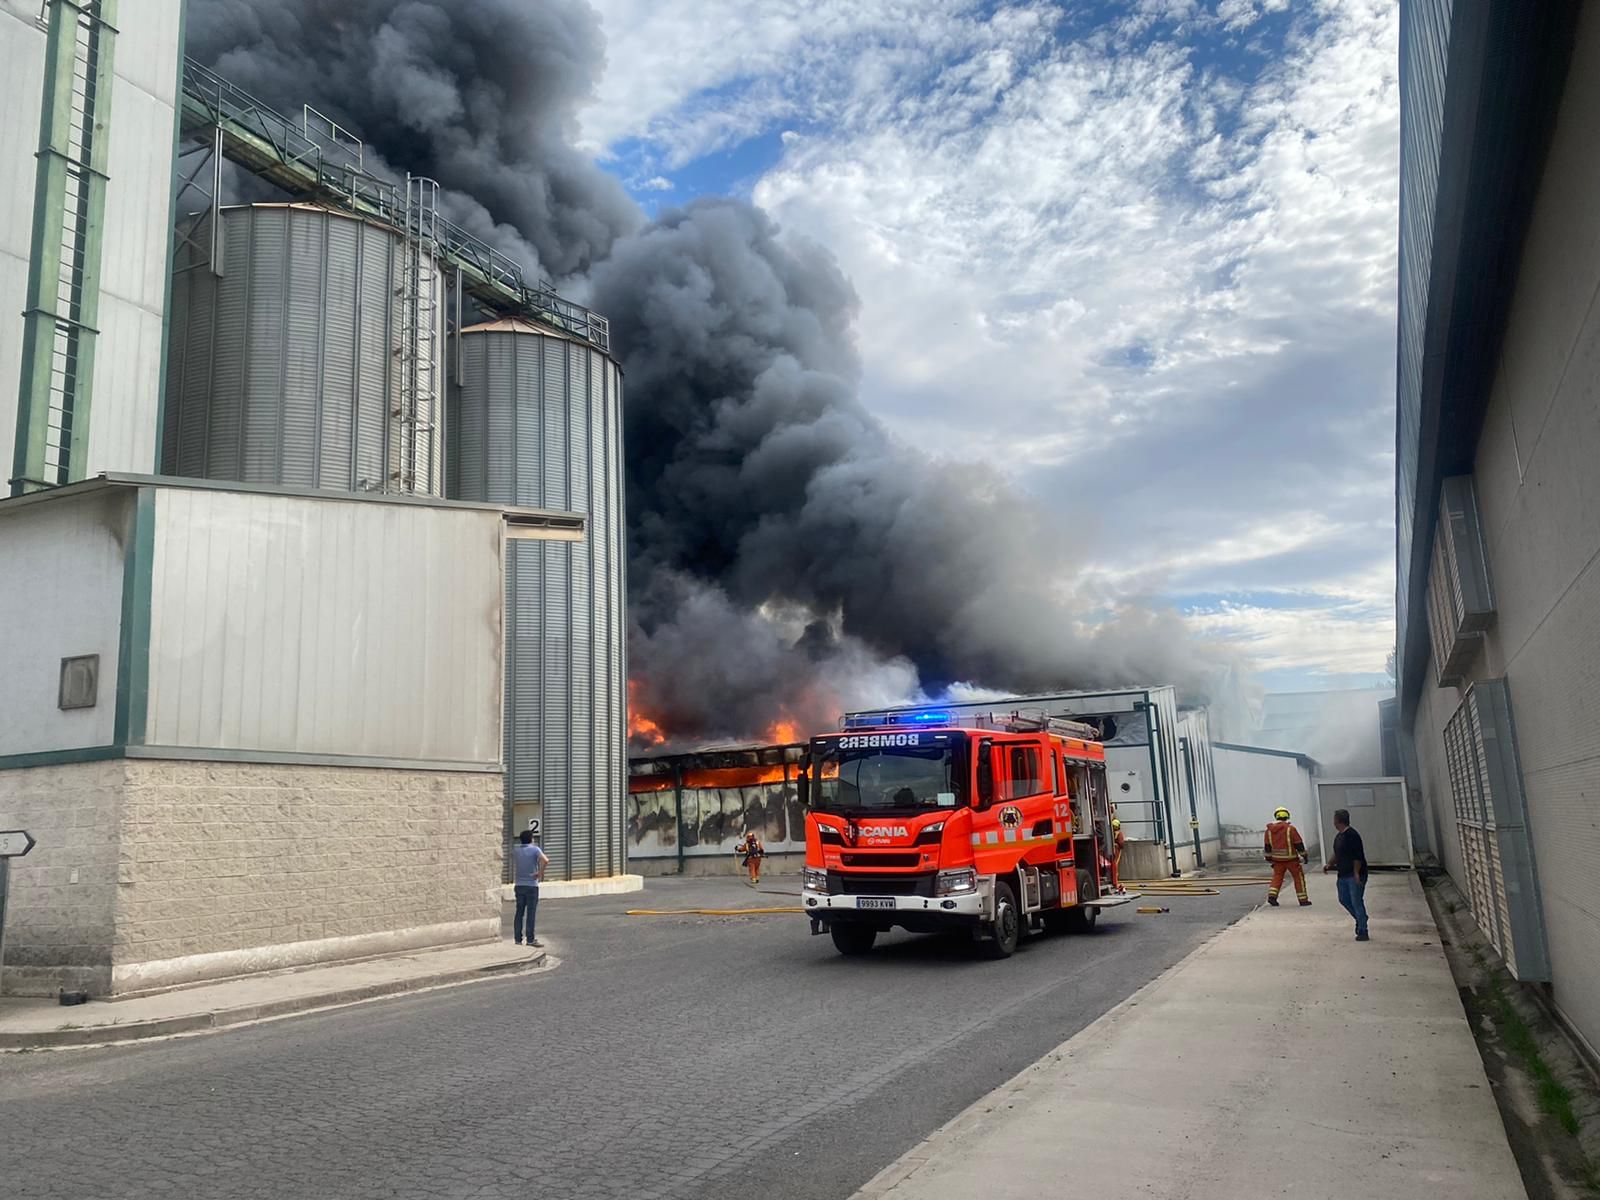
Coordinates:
814	880
952	883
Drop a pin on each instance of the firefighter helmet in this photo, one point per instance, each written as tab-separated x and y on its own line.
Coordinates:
1115	823
1282	814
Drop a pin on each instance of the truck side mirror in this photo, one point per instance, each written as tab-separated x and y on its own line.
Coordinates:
985	773
802	783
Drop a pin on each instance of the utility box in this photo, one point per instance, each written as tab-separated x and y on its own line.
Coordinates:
1377	812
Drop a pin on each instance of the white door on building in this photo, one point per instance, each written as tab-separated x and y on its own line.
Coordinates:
1377	812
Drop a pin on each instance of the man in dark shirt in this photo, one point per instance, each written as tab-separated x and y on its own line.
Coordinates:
1350	860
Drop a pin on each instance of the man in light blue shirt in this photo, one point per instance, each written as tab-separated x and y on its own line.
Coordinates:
528	863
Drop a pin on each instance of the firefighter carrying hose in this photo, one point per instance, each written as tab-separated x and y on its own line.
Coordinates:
751	852
1285	849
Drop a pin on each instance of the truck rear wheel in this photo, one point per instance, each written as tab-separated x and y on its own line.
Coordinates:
852	939
1080	919
1007	926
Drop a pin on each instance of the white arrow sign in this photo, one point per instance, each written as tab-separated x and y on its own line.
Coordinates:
14	843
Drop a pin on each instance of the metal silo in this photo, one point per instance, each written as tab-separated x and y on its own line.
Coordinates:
294	361
537	421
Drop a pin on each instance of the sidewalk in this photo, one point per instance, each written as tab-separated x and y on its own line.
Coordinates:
1282	1058
38	1023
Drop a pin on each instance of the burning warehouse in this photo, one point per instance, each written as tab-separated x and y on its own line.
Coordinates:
687	812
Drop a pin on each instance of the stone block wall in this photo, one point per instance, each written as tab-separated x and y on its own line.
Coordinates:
233	867
59	927
191	871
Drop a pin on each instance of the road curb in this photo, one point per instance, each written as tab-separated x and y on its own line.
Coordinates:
105	1035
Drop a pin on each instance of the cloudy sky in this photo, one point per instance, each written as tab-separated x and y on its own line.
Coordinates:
1138	256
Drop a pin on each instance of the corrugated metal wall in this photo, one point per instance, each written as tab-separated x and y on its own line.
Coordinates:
1533	469
283	370
1194	734
309	626
538	421
1424	52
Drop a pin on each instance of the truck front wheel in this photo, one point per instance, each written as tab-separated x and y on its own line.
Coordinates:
852	939
1007	926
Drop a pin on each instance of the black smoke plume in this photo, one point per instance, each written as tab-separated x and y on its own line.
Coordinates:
481	95
788	557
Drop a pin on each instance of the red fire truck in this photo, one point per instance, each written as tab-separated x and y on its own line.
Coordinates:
997	825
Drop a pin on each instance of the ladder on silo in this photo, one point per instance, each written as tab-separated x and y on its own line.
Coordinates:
63	289
416	411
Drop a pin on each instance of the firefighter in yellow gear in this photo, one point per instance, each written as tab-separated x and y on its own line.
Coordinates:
1118	841
1285	849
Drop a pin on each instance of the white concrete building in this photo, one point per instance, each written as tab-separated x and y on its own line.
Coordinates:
1498	497
250	728
257	721
1252	781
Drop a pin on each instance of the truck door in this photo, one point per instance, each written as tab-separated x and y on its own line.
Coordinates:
983	774
1099	803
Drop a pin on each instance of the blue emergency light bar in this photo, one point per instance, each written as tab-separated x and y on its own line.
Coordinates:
879	720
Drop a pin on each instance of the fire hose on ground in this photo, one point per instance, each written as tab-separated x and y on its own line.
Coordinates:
710	912
1154	888
1192	887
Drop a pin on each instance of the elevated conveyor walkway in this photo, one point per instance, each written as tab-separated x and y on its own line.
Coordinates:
312	159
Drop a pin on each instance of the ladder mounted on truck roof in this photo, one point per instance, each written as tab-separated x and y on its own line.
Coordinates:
1015	721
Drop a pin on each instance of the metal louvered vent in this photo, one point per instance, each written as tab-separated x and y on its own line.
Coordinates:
1492	822
1460	601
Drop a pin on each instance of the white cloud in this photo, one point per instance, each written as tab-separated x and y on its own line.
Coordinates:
1027	239
1346	637
1147	269
1241	14
691	76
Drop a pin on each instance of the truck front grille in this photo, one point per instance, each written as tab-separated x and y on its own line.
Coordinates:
880	860
858	883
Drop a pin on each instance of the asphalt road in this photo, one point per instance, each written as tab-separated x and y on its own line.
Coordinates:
665	1057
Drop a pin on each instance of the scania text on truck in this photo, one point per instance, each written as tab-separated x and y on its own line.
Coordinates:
997	826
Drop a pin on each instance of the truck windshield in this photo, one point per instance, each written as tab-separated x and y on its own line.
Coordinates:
886	778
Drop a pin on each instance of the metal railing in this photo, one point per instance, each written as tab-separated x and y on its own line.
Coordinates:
299	161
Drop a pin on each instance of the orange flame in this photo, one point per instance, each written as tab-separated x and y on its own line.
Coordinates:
714	777
641	728
783	732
